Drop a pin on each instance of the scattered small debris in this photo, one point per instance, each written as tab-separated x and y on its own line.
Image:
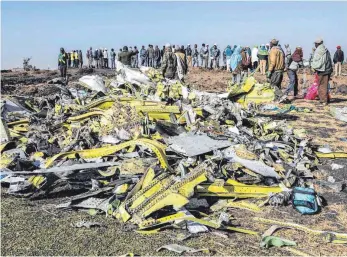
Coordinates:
87	224
182	249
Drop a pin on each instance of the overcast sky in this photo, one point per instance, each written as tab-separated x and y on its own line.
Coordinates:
39	29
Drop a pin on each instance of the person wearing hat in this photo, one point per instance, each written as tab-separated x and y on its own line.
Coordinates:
276	65
195	56
189	55
125	56
322	65
143	56
62	63
338	60
169	63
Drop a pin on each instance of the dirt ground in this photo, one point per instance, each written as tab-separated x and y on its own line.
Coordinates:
37	228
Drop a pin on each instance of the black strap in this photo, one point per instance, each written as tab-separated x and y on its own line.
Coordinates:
298	190
304	204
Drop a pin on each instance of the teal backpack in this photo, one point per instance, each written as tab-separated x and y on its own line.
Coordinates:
305	200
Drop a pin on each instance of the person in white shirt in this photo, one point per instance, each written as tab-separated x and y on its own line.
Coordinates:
255	57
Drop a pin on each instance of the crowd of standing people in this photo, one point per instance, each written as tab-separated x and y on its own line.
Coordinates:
269	59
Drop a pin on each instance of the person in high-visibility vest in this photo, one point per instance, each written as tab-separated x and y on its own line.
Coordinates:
72	57
62	63
76	58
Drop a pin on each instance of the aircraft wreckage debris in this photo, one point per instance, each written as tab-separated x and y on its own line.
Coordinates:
155	153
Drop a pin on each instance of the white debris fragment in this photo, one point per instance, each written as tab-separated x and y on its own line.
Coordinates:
336	166
93	82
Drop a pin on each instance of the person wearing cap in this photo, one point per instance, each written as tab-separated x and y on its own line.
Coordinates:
322	65
62	63
263	57
189	55
276	65
156	57
125	56
169	63
195	56
143	56
113	59
135	58
105	54
339	57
